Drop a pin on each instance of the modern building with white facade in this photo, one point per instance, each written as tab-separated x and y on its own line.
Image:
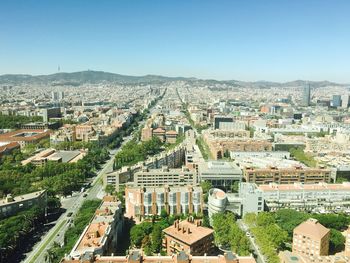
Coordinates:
220	174
248	200
164	176
307	197
148	201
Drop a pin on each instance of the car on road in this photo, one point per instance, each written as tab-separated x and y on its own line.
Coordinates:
85	195
69	214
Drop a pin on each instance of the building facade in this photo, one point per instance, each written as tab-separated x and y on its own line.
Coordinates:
220	174
164	176
307	197
141	202
24	137
100	237
188	236
288	175
181	257
12	205
311	238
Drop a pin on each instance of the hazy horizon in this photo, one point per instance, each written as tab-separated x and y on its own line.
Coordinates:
130	75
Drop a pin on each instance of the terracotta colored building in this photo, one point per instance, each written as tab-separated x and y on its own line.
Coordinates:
171	136
7	148
286	175
146	134
84	132
182	257
24	137
160	133
188	236
311	238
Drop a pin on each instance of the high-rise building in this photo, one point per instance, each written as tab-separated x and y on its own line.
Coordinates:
336	101
306	96
345	100
51	113
57	95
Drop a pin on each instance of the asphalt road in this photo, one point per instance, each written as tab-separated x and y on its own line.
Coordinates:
71	204
245	228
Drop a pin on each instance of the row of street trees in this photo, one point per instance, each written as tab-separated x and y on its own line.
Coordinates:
84	215
269	236
14	230
14	121
134	152
228	235
274	231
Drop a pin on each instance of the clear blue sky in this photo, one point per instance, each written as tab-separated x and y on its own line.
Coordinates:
246	40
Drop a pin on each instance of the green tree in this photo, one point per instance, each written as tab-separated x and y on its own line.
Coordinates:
235	187
206	186
156	238
264	219
337	241
110	189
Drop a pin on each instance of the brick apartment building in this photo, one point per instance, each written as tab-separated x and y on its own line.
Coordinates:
24	137
188	236
286	175
311	238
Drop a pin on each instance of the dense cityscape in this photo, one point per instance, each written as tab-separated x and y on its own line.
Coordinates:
142	170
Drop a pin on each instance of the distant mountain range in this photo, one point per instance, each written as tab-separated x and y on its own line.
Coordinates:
94	77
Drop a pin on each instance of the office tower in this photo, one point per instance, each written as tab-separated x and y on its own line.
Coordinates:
60	95
336	101
54	96
345	101
57	95
51	113
221	119
306	96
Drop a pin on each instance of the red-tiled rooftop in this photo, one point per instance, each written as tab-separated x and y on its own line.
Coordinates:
14	136
8	146
159	130
182	257
188	232
171	132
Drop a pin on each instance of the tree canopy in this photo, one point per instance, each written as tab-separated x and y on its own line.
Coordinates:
228	235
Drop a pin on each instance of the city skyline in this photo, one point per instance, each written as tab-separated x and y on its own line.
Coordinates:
248	41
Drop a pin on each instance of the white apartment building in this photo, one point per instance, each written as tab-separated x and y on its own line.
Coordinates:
165	176
307	197
147	201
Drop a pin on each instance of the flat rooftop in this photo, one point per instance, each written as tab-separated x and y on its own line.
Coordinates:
309	187
21	198
66	156
219	168
265	162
